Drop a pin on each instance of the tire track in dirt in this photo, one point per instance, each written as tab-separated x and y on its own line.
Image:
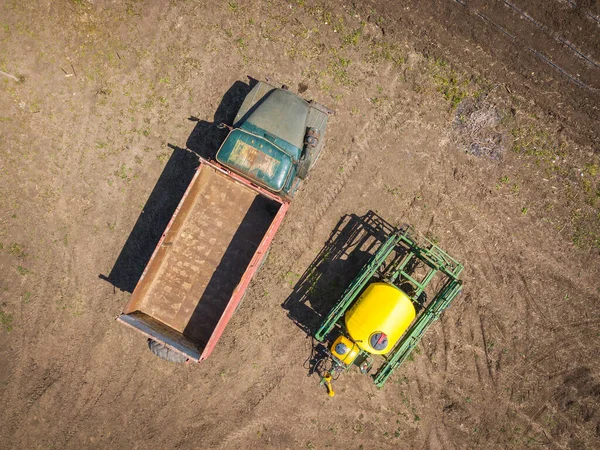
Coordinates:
485	374
475	315
47	376
30	365
552	34
311	206
568	340
486	351
523	44
240	434
438	437
360	142
444	331
538	351
327	199
587	13
336	187
525	309
40	375
567	391
257	393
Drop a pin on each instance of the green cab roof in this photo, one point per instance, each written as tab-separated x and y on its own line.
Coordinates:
256	158
282	114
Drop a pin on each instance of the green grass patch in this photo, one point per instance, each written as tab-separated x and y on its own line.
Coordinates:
122	172
453	85
17	250
449	85
353	38
385	51
6	320
530	140
338	70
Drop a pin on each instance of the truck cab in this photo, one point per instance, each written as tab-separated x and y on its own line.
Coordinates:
276	139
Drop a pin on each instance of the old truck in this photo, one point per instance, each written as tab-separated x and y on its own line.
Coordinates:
223	226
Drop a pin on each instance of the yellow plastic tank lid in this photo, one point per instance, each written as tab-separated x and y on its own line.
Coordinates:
379	318
344	349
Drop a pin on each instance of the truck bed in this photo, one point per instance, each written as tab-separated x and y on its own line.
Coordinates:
202	257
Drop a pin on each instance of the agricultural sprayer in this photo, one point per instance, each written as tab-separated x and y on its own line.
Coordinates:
405	286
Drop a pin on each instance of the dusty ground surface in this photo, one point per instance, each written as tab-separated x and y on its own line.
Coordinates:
448	118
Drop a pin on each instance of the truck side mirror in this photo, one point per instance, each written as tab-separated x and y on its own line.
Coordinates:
223	126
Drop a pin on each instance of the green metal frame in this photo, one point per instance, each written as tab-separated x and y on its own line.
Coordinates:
409	250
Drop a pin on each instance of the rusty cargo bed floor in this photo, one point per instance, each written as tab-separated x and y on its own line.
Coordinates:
204	255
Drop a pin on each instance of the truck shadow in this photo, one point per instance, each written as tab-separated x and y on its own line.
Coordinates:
206	138
204	141
352	242
230	269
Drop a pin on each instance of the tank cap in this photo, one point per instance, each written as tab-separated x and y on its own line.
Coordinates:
341	348
379	340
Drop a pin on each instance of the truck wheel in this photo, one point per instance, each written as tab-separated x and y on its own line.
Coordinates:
303	169
164	352
310	160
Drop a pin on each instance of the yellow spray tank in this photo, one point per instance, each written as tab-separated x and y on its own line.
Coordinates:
376	322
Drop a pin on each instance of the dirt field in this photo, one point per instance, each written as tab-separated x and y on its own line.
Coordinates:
476	122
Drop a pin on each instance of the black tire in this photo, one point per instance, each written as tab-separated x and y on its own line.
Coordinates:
310	160
164	352
303	169
318	151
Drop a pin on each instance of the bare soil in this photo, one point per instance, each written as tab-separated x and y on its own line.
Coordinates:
446	120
